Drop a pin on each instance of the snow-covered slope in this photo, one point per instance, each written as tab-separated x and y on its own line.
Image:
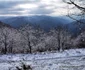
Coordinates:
43	55
73	59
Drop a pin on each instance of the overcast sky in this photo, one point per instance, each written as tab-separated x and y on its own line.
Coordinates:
32	7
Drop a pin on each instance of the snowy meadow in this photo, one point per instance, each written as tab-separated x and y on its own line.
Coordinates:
66	60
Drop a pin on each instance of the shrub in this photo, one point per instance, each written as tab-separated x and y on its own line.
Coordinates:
24	67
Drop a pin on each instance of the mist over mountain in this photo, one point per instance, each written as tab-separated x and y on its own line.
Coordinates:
44	22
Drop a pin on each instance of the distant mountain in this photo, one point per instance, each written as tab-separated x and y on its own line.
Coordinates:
74	26
4	25
45	22
15	21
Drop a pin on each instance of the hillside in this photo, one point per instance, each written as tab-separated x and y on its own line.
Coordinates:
4	25
45	22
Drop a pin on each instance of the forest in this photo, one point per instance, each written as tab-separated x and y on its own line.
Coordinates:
27	39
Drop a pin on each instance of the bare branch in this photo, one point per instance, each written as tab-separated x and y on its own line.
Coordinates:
76	5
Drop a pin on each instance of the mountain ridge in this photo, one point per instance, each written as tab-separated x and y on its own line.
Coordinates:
45	22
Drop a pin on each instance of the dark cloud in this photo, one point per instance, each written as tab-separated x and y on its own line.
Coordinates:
4	5
10	4
7	7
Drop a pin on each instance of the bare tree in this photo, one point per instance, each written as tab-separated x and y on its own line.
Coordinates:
5	37
11	45
62	37
72	2
78	11
79	41
27	34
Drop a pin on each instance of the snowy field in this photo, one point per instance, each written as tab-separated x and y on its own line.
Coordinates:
67	60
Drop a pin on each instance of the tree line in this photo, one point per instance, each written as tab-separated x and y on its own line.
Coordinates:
30	40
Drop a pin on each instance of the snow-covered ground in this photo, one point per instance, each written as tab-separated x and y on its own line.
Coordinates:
73	59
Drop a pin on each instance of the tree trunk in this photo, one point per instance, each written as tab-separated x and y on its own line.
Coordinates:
5	49
30	47
59	41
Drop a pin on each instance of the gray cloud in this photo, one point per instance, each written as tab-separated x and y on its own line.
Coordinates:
41	10
10	4
4	5
10	12
7	7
